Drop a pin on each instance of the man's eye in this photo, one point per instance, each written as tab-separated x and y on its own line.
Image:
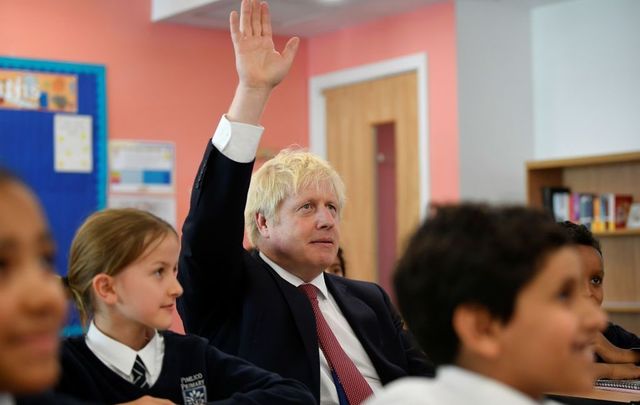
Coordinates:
596	280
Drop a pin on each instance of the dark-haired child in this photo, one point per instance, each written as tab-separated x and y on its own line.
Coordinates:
613	346
494	297
338	267
32	305
122	276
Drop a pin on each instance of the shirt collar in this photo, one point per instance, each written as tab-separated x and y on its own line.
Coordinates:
122	356
6	399
318	282
484	388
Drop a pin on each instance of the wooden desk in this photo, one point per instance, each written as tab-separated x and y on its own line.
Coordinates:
597	396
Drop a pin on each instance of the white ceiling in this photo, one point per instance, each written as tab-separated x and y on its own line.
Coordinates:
304	18
289	17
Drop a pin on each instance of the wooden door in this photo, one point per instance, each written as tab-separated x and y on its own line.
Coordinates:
353	112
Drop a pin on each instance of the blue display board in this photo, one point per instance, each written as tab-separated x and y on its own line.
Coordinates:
27	148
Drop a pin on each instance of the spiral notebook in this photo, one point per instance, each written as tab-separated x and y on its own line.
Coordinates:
619	385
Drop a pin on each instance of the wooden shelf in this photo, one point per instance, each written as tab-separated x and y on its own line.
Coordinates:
618	232
585	161
618	174
621	307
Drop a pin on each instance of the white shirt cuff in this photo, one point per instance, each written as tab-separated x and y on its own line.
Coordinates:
236	140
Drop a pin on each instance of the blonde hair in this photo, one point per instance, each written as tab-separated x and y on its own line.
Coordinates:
290	171
107	242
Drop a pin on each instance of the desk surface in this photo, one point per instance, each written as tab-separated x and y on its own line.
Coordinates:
606	395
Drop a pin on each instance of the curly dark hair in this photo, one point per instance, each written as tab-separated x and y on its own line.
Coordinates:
470	254
581	235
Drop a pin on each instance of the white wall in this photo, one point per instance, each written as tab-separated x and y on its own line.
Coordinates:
495	109
586	69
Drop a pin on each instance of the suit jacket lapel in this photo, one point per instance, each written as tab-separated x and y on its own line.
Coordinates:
303	316
361	318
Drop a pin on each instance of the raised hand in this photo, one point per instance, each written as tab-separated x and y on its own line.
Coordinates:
260	67
258	63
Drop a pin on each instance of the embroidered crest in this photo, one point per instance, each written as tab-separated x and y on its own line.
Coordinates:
194	392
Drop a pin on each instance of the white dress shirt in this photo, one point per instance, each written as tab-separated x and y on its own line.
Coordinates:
343	332
120	357
452	386
6	399
239	142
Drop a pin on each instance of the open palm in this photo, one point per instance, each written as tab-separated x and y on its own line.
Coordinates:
258	63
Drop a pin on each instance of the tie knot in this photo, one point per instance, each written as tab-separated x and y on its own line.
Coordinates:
309	290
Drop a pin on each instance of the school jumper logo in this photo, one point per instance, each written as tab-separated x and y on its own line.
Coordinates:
194	391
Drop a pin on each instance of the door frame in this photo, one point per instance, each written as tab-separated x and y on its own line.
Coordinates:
410	63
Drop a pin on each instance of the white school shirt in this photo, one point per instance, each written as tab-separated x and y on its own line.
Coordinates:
6	399
120	357
239	142
452	386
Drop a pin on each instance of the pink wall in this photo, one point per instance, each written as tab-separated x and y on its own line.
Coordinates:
429	30
170	82
164	82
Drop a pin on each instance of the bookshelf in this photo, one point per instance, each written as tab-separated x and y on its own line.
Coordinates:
615	173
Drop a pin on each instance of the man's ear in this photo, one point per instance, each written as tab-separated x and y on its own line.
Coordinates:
261	222
478	330
103	289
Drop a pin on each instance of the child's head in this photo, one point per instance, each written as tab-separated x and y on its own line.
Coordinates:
338	267
32	307
591	254
496	290
125	260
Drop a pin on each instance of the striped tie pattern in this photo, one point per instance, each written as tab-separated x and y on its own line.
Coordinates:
139	373
355	386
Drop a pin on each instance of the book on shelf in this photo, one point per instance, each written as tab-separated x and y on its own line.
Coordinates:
586	215
621	206
618	385
555	200
598	212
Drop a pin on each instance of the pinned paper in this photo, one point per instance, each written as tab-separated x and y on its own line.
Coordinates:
73	143
141	167
163	206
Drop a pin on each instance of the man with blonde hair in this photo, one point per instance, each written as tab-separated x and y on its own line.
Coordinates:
276	307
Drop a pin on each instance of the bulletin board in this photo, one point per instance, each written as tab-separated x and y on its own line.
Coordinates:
40	102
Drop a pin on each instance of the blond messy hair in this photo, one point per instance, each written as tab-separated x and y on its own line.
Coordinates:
291	170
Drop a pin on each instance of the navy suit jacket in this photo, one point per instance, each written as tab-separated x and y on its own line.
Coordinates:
238	302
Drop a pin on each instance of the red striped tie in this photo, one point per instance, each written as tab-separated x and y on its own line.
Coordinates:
353	383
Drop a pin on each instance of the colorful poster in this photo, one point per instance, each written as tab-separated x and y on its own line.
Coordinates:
141	167
159	205
73	143
21	89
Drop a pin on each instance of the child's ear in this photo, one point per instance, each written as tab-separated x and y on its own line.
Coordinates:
103	288
477	330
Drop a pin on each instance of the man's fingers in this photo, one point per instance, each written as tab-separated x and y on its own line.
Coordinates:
234	24
290	49
266	19
256	22
245	18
